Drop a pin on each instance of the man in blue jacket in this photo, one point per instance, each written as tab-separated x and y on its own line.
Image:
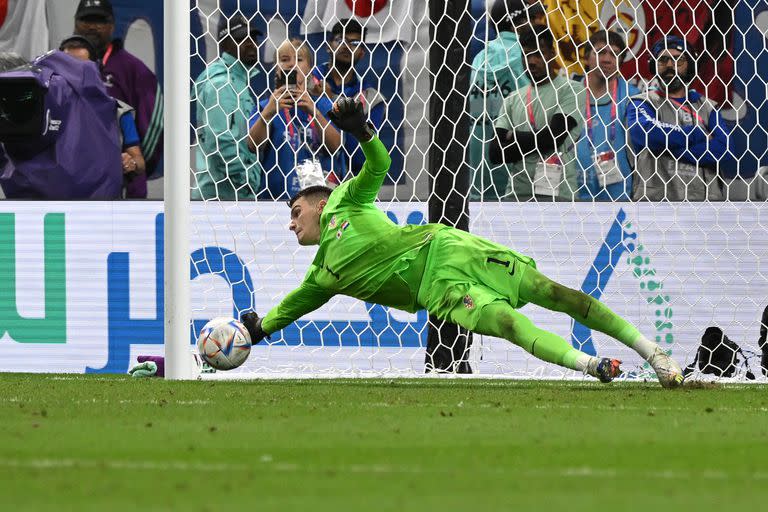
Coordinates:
678	135
226	169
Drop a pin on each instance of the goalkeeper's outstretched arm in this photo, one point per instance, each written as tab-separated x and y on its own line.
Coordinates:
304	299
348	115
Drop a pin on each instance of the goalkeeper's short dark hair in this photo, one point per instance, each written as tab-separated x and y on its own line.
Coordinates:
313	194
537	37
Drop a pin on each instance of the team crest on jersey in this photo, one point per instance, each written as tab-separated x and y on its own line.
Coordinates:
468	302
332	223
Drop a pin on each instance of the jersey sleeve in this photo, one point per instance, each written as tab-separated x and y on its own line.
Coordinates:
304	299
256	112
646	130
718	146
149	113
130	133
365	186
218	113
504	118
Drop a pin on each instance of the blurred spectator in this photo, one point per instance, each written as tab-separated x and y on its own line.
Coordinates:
537	129
339	77
605	173
132	159
290	126
497	71
677	134
226	168
128	80
58	133
24	27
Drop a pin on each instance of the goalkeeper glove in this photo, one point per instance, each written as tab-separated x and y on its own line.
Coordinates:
349	115
252	322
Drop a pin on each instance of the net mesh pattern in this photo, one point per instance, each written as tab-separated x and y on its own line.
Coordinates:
631	166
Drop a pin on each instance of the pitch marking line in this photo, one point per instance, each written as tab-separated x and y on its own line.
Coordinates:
462	404
373	469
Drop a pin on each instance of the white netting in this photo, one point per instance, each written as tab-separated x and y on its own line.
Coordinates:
656	206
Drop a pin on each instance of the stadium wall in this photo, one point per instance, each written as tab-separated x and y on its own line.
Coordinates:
81	283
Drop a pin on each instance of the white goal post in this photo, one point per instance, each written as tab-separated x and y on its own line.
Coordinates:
177	210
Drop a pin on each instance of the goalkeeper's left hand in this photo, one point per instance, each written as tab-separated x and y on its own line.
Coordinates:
349	115
252	322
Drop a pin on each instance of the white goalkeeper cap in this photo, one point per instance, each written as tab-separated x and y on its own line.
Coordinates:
310	173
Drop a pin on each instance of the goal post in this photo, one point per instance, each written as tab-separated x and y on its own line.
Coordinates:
176	260
451	29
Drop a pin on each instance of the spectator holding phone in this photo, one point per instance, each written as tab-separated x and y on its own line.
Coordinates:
289	127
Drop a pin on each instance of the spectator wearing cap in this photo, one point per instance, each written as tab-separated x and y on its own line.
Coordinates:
290	128
539	125
678	135
132	159
128	79
226	169
497	71
338	77
605	173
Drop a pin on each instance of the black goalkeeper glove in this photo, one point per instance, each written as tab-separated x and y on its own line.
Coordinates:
252	322
349	115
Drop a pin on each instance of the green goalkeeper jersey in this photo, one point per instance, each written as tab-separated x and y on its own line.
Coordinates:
362	253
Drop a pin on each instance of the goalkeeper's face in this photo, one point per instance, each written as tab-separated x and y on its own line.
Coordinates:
305	220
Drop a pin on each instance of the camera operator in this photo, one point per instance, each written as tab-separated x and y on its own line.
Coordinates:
58	135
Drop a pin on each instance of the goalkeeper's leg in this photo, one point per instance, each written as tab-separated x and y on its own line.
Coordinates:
501	320
538	289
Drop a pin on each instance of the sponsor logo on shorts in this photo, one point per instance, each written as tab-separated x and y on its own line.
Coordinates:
468	302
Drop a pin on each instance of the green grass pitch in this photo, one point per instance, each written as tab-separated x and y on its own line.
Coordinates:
114	443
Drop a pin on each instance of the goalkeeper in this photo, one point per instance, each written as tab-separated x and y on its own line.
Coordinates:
454	275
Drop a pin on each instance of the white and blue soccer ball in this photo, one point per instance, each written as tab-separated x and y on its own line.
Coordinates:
224	343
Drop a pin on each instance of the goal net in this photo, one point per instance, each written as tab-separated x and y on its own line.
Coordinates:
673	237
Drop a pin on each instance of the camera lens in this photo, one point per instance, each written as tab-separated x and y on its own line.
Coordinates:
20	108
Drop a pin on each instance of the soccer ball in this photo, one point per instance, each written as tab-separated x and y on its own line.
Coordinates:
224	343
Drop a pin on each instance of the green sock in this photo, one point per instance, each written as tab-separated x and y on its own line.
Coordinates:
599	317
501	320
552	348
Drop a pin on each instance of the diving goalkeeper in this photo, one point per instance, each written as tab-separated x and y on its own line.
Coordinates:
454	275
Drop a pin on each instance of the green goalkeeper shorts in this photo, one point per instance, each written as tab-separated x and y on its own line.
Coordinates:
464	273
